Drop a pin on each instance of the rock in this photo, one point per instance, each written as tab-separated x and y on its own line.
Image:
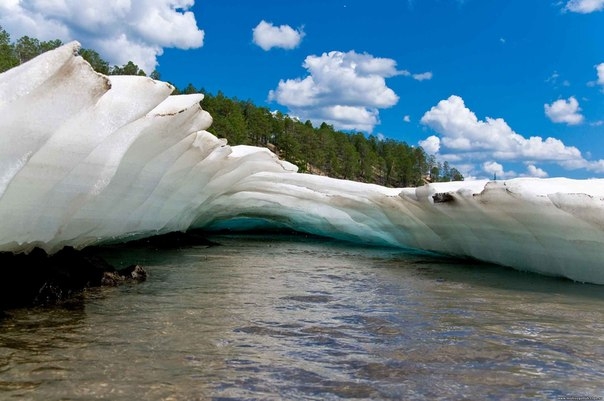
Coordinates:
132	273
442	197
41	279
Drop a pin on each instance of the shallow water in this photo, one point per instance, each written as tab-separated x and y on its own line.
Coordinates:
271	318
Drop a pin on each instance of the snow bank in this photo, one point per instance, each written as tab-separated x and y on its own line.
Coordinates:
87	159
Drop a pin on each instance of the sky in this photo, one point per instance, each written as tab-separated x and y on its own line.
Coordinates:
508	88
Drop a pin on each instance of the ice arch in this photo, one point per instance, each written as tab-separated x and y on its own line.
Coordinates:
86	159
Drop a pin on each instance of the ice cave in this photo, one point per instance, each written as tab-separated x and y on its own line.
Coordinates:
87	159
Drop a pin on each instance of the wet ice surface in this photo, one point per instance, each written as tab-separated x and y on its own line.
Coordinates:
270	318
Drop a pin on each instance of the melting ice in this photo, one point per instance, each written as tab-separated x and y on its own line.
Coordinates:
86	159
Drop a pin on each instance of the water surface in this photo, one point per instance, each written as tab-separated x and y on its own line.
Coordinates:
271	318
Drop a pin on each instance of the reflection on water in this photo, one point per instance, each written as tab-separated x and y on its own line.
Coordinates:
270	318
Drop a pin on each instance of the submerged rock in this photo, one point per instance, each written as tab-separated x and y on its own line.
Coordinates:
40	279
130	273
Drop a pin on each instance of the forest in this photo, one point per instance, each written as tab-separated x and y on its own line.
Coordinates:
316	150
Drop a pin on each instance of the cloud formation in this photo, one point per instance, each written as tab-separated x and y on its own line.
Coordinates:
464	138
342	89
496	170
266	35
564	111
431	144
534	171
423	76
600	70
120	30
585	6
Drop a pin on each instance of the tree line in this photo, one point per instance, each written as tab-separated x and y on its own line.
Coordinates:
26	48
317	150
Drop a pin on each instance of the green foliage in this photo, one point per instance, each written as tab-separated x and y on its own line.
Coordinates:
127	69
324	150
442	172
50	45
26	48
321	150
95	61
8	59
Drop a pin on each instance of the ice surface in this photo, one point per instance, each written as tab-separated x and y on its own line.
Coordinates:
87	159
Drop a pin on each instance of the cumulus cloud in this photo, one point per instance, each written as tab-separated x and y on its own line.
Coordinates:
585	6
462	131
120	30
600	70
343	89
463	138
431	144
266	35
564	111
495	170
534	171
407	119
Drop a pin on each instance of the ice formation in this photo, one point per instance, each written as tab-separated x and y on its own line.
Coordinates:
86	159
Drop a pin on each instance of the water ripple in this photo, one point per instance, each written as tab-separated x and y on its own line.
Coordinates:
271	319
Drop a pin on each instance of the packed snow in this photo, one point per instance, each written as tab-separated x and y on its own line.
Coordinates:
87	159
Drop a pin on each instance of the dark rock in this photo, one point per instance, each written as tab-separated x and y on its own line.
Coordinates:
134	273
443	197
112	279
40	279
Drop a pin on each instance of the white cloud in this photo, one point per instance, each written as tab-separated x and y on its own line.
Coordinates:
595	165
462	132
266	35
495	170
431	144
463	138
600	70
407	119
120	30
346	117
343	89
423	76
564	111
553	79
585	6
534	171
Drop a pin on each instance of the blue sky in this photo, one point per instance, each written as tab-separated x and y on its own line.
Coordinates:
509	87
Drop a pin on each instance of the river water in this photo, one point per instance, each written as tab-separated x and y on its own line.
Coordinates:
297	318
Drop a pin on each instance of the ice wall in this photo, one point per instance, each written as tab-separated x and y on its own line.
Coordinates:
86	159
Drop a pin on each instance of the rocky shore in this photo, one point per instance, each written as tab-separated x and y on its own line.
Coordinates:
41	279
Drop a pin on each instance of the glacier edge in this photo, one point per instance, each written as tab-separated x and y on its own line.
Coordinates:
87	159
